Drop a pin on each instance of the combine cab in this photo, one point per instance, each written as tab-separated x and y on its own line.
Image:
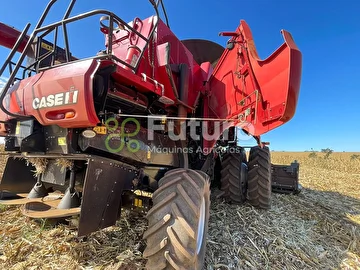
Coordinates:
147	124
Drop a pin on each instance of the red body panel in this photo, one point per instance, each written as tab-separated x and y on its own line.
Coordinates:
261	94
258	95
54	92
9	36
178	54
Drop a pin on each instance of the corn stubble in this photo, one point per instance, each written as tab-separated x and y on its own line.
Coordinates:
317	229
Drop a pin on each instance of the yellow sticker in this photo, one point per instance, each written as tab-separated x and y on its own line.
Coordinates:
143	193
138	202
100	130
163	120
46	46
17	130
62	141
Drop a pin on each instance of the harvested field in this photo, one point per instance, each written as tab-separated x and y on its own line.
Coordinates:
317	229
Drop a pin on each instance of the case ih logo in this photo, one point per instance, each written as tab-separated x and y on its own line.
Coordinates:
59	99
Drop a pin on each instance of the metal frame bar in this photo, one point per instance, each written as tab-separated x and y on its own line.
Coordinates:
164	11
45	30
51	156
21	59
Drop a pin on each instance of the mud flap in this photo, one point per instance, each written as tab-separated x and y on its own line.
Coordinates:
18	176
105	181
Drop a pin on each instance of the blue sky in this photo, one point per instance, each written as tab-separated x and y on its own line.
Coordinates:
327	33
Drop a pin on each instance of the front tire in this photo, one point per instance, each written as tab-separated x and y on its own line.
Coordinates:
178	221
259	177
234	177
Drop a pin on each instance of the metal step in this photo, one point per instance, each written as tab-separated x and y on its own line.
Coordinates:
47	209
21	198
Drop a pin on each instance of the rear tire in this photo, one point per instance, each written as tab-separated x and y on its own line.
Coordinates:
234	177
259	178
178	221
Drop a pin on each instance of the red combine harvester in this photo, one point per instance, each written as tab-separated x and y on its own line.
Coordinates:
147	124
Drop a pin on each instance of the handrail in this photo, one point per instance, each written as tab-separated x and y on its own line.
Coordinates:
85	15
51	27
21	59
41	31
15	48
66	15
164	11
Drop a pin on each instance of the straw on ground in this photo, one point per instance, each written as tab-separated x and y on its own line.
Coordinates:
317	229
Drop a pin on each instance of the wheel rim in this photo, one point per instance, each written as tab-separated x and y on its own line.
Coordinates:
201	227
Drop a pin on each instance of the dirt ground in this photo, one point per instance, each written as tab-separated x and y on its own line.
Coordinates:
317	229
